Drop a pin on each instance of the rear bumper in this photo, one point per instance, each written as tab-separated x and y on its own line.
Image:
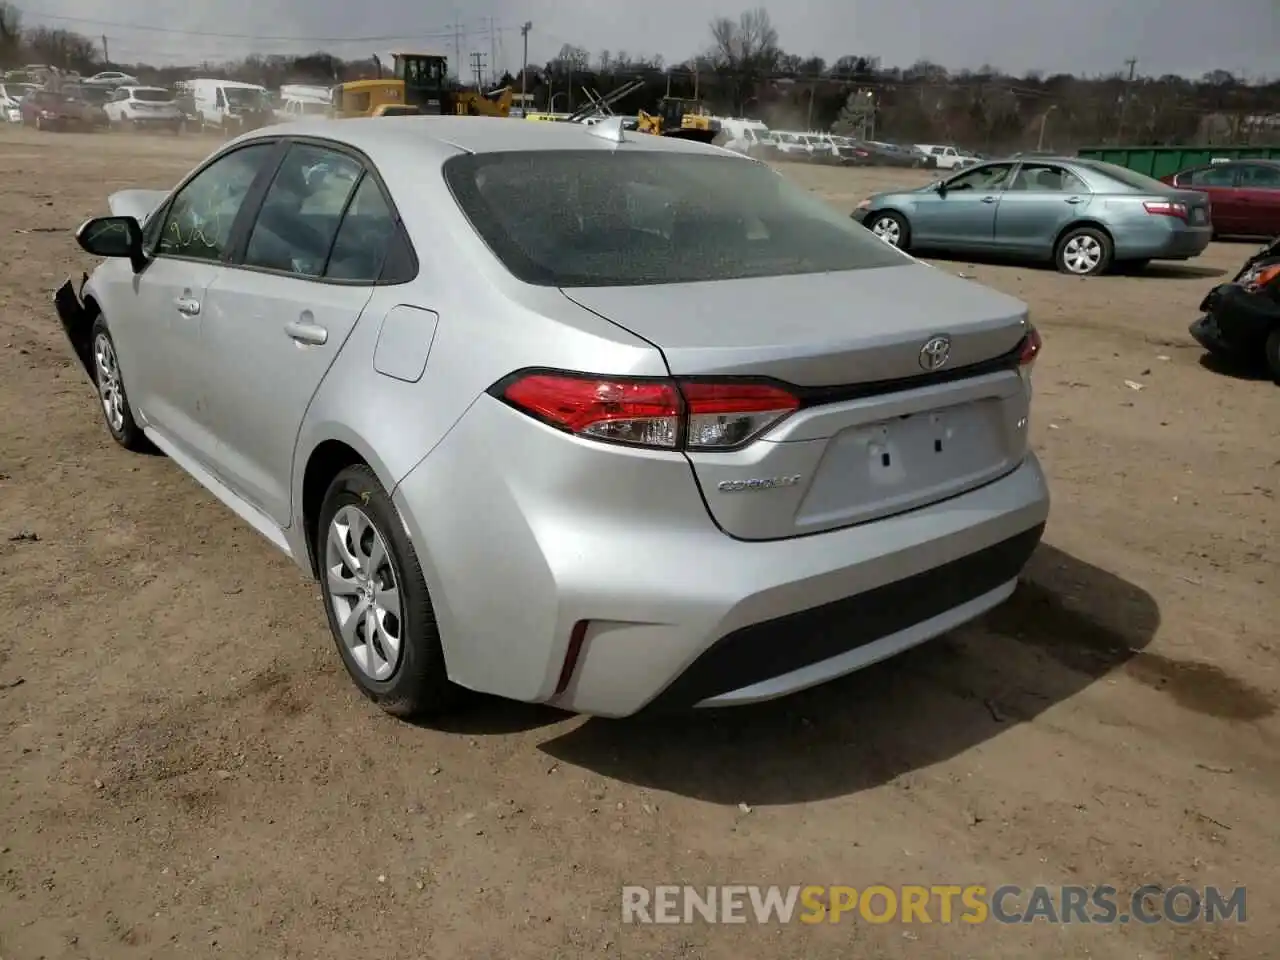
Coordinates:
1162	242
620	552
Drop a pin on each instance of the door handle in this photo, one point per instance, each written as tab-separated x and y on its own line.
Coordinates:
1074	200
988	199
187	306
306	332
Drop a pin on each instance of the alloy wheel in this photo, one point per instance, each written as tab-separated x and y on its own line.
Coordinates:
887	229
1082	254
110	390
364	593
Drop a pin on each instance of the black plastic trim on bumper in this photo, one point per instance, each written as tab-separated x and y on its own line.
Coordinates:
773	648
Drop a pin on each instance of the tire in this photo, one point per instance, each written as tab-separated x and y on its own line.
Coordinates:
113	399
890	227
40	123
1083	252
411	681
1271	351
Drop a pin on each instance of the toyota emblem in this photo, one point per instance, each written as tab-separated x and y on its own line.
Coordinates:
935	353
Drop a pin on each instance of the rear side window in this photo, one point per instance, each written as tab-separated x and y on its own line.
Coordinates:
300	214
612	218
364	237
1216	176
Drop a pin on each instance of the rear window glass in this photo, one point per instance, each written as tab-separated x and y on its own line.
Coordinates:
1130	178
152	95
611	218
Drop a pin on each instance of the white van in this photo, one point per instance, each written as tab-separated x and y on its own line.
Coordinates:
744	136
223	104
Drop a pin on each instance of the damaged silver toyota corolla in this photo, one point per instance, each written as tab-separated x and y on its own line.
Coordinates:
566	414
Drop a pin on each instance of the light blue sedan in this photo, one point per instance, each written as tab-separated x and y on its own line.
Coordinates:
1084	215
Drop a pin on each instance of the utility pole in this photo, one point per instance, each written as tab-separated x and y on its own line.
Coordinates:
524	67
106	54
493	54
457	46
1132	64
477	68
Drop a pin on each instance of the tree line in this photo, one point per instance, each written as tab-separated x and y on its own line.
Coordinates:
744	71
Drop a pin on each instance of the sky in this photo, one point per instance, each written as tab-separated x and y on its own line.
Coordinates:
1077	36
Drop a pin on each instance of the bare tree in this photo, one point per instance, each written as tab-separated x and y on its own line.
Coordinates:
746	50
10	34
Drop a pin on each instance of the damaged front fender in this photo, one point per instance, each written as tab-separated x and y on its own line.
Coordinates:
77	322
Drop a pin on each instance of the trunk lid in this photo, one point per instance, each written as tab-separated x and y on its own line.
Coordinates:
1198	203
878	434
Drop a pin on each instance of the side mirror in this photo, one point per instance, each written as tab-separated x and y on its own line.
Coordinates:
113	237
941	188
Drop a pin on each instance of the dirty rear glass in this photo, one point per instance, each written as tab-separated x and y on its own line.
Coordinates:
612	218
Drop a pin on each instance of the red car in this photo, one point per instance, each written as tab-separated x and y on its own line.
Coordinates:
46	110
1244	195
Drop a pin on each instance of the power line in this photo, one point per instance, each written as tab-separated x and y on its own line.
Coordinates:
433	33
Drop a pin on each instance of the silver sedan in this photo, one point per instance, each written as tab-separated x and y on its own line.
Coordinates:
568	414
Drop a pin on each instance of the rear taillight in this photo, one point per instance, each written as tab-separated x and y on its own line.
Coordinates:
1028	351
1165	208
657	413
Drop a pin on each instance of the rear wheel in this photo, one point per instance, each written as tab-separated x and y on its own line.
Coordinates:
1271	351
1083	252
376	599
891	228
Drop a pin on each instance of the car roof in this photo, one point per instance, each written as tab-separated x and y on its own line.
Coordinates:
381	137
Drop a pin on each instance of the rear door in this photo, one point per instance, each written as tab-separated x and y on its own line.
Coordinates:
1042	198
1258	186
964	217
276	319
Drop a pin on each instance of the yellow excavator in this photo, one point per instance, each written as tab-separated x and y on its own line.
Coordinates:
419	80
677	117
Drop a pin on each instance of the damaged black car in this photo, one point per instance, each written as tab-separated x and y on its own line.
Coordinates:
1241	319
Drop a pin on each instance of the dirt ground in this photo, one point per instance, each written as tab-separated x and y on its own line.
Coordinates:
186	771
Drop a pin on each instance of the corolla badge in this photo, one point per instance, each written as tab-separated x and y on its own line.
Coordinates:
760	483
935	353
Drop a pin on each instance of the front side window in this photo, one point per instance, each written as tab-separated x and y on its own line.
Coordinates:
199	220
300	213
989	177
606	218
1260	176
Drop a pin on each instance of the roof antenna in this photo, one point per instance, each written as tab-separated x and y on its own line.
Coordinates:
610	129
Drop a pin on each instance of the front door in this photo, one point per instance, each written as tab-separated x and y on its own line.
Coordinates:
277	319
963	216
188	240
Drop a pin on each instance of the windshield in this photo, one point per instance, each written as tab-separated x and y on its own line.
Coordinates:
152	95
314	109
244	96
596	218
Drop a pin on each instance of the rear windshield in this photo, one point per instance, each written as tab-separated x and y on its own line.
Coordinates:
1130	178
608	218
152	95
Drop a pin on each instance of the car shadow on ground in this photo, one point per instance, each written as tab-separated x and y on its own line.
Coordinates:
1068	624
1158	270
1236	369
